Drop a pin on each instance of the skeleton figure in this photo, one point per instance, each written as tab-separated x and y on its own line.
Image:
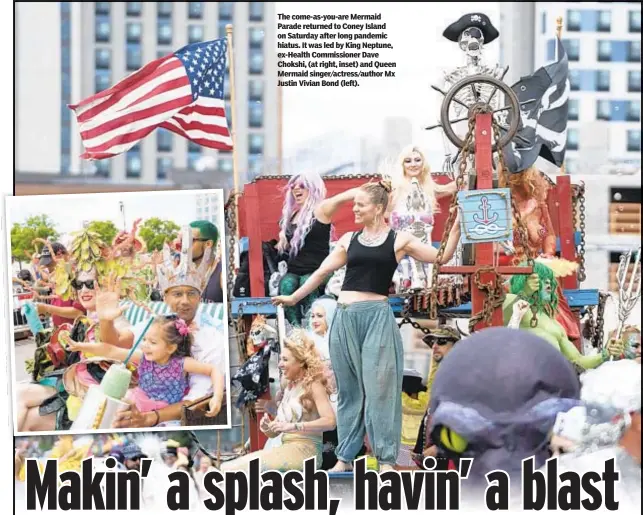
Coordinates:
471	32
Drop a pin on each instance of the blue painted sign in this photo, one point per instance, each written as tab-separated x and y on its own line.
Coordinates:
486	216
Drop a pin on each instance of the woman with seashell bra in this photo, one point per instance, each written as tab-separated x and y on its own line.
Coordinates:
413	208
302	414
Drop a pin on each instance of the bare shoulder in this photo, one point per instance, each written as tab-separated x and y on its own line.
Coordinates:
344	240
318	389
402	239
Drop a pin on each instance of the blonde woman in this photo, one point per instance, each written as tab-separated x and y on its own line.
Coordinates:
413	208
304	412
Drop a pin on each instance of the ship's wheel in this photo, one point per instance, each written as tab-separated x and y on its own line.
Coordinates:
477	94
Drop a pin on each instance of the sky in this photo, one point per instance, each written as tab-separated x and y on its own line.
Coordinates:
422	55
69	211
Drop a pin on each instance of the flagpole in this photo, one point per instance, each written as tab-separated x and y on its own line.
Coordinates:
233	135
559	31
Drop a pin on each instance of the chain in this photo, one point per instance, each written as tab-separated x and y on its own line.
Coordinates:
325	177
591	326
433	307
230	214
581	222
600	313
494	298
406	317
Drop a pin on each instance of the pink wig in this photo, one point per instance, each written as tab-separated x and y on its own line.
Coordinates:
312	182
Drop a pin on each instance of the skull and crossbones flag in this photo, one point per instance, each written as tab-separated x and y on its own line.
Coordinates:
543	128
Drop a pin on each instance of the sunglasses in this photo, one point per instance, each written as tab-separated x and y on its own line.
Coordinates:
78	285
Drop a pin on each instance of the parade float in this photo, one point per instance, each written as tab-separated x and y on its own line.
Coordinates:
498	119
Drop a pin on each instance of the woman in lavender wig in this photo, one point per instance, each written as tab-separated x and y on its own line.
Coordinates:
305	235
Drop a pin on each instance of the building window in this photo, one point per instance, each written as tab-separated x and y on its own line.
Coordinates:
255	114
634	141
255	11
573	111
134	57
193	159
604	21
163	167
603	110
195	33
635	21
102	7
133	31
604	51
164	32
102	168
633	111
572	139
103	29
573	20
255	62
543	22
194	148
195	10
574	80
103	80
163	9
162	53
225	165
572	47
255	90
226	11
634	81
255	166
163	140
634	51
255	144
255	36
133	163
133	8
602	80
103	58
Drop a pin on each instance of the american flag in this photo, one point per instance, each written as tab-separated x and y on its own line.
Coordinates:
181	92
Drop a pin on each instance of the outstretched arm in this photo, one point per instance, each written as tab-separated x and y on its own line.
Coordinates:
326	209
426	252
335	260
192	366
570	351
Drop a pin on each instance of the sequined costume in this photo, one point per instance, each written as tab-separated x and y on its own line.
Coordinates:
159	385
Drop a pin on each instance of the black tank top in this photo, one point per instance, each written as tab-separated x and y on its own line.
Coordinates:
213	291
370	269
312	253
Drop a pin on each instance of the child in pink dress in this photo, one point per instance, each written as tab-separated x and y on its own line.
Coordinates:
163	365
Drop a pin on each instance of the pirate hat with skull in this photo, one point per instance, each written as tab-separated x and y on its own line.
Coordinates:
471	31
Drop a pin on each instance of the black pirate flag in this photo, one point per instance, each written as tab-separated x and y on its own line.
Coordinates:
543	127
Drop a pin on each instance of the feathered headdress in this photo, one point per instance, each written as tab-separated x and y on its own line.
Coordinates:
186	273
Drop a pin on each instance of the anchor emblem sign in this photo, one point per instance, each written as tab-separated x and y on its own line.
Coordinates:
484	209
487	215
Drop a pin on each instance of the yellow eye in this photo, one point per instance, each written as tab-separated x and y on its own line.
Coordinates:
452	440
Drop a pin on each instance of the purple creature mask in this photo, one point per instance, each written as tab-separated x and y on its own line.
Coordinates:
501	389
